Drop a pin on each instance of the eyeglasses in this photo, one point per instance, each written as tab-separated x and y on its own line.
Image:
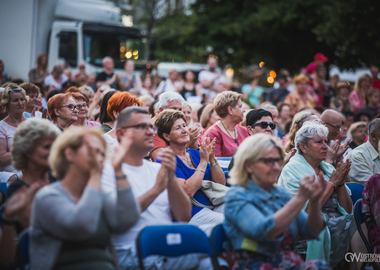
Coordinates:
142	127
72	107
264	125
82	106
270	161
337	128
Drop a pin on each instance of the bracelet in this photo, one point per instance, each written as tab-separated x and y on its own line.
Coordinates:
8	221
341	185
214	164
201	170
332	185
121	177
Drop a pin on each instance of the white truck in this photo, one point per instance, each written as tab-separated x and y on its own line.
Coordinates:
71	31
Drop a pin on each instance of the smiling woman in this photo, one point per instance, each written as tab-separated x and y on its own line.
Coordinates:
14	100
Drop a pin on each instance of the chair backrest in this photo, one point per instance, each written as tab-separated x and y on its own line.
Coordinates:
356	190
217	238
22	250
3	188
358	210
224	162
171	241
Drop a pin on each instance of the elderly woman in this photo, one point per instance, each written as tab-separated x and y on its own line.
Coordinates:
192	166
300	98
118	102
30	152
73	219
82	106
57	78
228	134
312	150
14	102
63	110
357	97
208	117
34	104
262	221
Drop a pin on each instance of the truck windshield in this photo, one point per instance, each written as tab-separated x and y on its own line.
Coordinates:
120	47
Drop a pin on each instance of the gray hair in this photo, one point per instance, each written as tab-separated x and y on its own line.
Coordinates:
28	135
308	131
374	126
269	107
126	115
107	58
166	97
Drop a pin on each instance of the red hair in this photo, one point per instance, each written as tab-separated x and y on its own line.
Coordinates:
56	102
119	101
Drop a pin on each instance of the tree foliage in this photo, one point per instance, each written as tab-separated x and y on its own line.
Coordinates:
280	33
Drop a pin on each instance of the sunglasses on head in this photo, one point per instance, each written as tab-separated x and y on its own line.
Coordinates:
264	125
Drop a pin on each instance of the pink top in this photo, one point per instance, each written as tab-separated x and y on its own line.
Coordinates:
93	124
7	133
357	102
225	146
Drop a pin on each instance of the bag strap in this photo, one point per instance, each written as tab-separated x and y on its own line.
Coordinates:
198	204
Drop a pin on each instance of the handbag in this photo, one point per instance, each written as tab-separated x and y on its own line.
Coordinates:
215	192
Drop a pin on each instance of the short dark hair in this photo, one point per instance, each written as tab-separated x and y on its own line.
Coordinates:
165	122
103	116
126	115
255	115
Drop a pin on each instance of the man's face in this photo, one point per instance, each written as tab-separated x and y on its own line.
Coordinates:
212	63
141	135
261	126
374	71
274	113
109	64
334	125
174	105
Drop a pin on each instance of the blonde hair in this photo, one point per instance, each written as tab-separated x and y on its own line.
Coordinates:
6	98
251	150
146	98
87	91
206	115
359	82
28	136
71	138
225	99
299	78
355	126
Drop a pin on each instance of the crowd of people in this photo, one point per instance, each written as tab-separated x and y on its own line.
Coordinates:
90	160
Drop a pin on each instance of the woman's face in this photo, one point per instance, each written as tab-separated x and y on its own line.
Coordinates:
147	83
17	103
265	171
360	134
374	99
67	111
187	112
81	159
365	84
189	76
343	92
33	100
214	118
316	149
302	86
40	155
82	106
285	112
129	67
238	111
43	60
179	132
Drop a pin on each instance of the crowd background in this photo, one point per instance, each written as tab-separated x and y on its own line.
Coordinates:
63	126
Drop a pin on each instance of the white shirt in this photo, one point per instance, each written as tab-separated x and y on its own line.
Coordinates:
207	75
166	86
111	142
49	80
365	162
142	179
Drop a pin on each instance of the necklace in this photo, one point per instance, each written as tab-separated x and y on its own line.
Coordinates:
229	133
14	121
189	163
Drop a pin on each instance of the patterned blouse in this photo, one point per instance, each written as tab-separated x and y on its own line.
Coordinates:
371	211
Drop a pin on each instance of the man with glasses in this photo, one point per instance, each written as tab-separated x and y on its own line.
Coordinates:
154	185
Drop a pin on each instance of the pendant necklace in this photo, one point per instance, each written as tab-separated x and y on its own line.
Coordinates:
235	140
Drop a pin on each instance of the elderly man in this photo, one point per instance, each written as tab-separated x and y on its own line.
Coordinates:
107	76
365	159
171	100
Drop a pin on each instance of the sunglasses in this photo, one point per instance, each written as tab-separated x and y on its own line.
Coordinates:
264	125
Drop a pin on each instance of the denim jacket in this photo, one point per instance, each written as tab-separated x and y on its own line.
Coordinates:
249	216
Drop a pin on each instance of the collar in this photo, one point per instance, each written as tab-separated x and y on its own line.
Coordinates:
261	193
372	151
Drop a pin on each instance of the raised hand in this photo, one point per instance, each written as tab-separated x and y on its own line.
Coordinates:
204	151
318	188
289	155
332	152
194	134
342	149
306	187
209	147
95	164
121	150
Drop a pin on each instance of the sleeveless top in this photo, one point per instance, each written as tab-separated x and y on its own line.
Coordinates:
188	93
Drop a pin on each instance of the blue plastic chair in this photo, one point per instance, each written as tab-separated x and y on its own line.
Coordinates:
359	220
224	159
356	190
22	250
3	189
218	238
172	241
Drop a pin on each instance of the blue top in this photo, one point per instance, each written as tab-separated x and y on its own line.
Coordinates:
249	216
182	171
